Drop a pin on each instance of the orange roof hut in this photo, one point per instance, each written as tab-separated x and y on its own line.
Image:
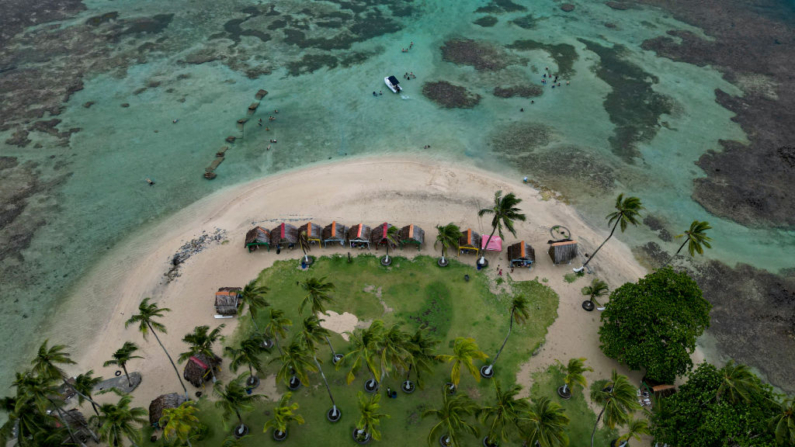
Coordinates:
334	232
563	252
411	234
521	254
313	232
359	236
469	242
258	237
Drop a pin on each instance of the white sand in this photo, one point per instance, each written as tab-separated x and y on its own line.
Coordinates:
401	191
339	323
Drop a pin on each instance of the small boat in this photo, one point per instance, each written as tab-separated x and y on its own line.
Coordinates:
393	84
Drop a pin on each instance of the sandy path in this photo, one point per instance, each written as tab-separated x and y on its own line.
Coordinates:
422	192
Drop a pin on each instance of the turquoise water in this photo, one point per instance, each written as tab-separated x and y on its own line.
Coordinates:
330	114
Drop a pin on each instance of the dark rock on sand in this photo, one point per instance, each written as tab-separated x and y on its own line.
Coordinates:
450	96
125	105
486	22
524	91
479	54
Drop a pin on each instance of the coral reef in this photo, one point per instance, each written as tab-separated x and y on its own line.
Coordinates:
450	96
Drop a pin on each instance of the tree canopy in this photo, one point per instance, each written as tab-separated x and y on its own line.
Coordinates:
654	323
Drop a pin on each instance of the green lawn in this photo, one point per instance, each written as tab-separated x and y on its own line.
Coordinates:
416	292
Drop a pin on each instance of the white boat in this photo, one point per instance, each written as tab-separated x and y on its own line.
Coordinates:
393	84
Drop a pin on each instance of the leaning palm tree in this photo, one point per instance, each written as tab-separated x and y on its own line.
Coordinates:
201	342
118	421
146	324
738	383
618	401
46	364
391	237
122	356
447	237
598	288
544	424
627	212
180	422
311	335
277	327
283	415
303	242
365	344
317	295
783	423
635	429
296	365
369	419
25	423
393	352
85	383
695	238
452	417
248	354
422	357
505	212
254	296
40	393
520	311
502	417
465	351
233	399
574	370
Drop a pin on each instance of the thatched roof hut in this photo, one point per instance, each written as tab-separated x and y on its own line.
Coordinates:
521	254
411	234
79	425
359	236
157	406
469	242
258	237
563	252
227	300
334	232
314	232
285	235
378	235
197	369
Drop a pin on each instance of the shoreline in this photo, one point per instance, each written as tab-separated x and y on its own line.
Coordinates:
368	189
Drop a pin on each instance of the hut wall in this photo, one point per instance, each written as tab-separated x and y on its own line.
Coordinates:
563	252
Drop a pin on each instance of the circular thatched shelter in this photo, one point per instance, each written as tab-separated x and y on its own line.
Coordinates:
334	232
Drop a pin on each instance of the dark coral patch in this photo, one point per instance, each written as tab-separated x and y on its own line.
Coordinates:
501	6
524	91
478	54
526	22
450	96
149	25
564	54
486	22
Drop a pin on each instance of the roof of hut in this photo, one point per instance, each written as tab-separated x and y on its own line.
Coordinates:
157	406
563	252
79	424
521	250
196	369
258	235
359	231
335	231
226	300
313	230
378	234
284	233
411	233
469	238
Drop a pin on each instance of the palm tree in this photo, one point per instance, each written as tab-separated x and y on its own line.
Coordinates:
421	357
296	364
465	351
737	383
574	370
393	352
311	335
234	441
369	418
783	423
254	296
39	392
505	212
277	327
85	383
317	296
303	242
283	415
180	422
201	342
233	399
617	400
598	288
544	424
627	212
520	311
502	416
447	237
25	423
635	429
247	355
147	324
365	346
695	238
119	421
452	418
391	237
122	356
46	364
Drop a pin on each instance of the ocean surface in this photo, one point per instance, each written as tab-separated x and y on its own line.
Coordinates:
320	63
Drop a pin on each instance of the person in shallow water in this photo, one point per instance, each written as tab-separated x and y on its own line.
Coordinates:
380	93
374	94
151	183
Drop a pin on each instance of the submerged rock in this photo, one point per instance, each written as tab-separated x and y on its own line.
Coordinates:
450	96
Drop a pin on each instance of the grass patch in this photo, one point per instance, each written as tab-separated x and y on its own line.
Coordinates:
571	277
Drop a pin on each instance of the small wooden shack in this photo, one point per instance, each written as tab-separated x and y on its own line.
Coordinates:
157	406
334	232
227	300
563	252
469	243
359	236
379	233
197	369
521	254
314	232
258	237
285	235
77	421
411	234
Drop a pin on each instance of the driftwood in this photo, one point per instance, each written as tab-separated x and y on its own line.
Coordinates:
261	94
221	152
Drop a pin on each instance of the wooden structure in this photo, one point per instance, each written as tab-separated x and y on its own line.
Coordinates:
379	233
157	406
521	254
253	106
261	94
197	369
314	232
469	242
334	232
411	234
285	235
222	152
258	237
359	236
79	425
563	252
227	300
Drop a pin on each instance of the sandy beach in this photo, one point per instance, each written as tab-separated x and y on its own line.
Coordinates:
369	190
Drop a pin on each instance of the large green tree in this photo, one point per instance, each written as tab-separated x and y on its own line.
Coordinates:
452	419
544	424
501	418
465	352
201	342
119	421
618	401
504	212
122	356
447	237
180	423
653	324
233	400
